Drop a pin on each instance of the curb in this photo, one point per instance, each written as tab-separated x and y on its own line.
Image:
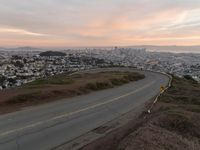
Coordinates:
156	98
162	91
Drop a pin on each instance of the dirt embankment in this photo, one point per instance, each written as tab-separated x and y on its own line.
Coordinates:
62	86
174	123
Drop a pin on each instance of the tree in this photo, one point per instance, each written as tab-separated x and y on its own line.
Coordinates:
19	64
188	77
2	79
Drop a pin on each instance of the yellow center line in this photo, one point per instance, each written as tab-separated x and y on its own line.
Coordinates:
75	112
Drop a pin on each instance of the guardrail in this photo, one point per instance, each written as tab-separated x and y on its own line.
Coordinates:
162	91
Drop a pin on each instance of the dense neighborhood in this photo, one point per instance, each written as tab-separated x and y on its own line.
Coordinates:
17	70
18	67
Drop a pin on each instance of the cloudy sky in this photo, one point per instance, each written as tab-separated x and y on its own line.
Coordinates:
66	23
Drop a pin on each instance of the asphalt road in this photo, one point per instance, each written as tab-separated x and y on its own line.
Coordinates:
46	126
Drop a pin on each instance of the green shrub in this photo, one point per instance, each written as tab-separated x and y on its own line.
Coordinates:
23	98
116	81
102	85
91	86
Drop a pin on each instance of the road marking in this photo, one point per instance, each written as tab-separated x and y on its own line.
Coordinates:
74	112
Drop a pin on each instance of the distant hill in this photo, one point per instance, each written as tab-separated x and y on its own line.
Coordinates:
52	53
172	48
26	48
164	48
21	49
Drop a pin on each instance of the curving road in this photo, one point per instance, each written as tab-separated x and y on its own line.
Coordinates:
46	126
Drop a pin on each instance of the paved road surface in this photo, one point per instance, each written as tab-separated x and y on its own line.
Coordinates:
44	127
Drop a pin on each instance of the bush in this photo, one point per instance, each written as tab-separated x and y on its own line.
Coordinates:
116	81
102	85
23	98
188	77
91	86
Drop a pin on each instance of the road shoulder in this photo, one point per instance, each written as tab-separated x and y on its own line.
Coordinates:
173	123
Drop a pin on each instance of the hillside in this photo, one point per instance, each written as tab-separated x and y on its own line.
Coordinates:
52	53
61	86
170	48
173	124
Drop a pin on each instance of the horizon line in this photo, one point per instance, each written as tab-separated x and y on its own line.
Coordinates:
120	46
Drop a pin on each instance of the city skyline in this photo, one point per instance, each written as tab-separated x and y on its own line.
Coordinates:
76	23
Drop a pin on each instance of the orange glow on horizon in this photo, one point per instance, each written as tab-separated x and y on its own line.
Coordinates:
100	23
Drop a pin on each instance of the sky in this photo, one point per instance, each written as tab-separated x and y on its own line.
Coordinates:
78	23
